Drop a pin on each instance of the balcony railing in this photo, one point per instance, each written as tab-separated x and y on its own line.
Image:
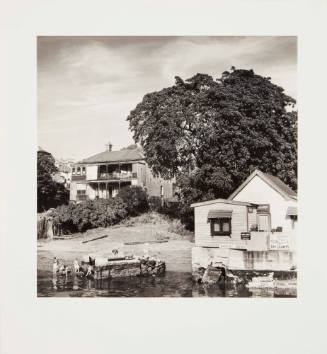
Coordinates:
78	177
117	175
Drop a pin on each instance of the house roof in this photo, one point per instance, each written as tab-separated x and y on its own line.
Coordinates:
273	181
115	156
225	201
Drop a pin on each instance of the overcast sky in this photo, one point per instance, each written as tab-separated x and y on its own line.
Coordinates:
88	85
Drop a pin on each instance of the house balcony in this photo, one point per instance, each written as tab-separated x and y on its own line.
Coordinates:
78	177
117	176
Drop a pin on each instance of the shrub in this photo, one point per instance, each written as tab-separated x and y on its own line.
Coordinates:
165	206
135	200
178	228
145	218
155	203
170	208
88	215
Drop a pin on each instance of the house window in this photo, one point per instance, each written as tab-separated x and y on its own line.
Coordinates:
221	227
161	191
81	194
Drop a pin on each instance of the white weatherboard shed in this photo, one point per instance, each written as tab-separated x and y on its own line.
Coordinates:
260	215
220	222
261	188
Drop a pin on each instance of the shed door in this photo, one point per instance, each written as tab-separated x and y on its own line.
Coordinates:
263	222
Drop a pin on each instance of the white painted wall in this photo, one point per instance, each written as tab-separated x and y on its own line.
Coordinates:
202	226
91	172
81	186
90	191
259	192
72	191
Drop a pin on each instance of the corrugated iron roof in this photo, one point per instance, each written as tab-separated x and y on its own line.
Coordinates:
115	156
281	185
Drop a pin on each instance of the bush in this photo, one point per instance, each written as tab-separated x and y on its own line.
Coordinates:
88	215
135	200
164	206
146	218
130	201
155	203
178	228
170	208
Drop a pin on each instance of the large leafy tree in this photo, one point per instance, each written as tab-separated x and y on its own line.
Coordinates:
50	194
212	134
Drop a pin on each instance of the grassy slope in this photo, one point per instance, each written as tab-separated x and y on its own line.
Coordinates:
147	227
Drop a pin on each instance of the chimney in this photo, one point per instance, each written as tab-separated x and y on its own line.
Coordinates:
109	146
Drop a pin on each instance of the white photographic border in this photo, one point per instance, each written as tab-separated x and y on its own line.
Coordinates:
157	325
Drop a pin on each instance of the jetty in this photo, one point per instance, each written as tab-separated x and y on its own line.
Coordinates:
121	267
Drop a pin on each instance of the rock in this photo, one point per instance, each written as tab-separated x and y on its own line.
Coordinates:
211	275
231	278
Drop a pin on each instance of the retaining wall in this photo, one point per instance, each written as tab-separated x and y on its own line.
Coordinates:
243	260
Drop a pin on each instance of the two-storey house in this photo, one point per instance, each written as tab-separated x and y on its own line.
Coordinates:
104	174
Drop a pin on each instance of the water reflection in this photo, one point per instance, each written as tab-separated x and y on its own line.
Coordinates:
54	281
75	282
172	284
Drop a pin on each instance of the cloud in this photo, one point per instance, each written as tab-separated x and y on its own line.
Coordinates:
88	85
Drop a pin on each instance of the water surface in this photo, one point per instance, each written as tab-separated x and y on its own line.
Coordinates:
172	284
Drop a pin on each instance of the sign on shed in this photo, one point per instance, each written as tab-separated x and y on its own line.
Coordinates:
245	235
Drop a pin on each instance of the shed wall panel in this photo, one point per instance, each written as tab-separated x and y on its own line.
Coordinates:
202	226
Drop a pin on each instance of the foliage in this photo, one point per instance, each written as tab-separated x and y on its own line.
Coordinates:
149	217
155	203
50	194
211	134
164	206
178	228
130	147
89	214
135	199
130	201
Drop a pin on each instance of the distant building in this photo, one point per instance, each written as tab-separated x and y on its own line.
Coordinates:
64	173
261	215
104	174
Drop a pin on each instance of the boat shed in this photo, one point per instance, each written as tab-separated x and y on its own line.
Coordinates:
224	223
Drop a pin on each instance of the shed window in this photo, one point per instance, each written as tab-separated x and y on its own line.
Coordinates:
221	227
220	222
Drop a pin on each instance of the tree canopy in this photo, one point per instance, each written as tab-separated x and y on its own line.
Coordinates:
49	193
212	134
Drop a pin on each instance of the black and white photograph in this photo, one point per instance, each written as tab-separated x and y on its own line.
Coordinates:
163	177
167	166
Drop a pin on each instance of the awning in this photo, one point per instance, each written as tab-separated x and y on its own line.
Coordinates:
216	214
291	211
